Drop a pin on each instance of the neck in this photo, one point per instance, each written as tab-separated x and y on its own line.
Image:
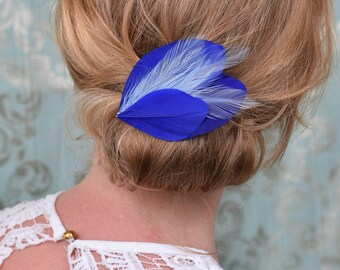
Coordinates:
144	215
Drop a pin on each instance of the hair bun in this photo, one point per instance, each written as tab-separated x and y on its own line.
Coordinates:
101	41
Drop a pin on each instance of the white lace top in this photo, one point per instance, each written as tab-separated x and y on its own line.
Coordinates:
34	222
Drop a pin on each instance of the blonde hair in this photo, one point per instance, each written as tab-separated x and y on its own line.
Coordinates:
291	48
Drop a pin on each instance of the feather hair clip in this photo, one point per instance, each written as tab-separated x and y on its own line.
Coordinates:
179	91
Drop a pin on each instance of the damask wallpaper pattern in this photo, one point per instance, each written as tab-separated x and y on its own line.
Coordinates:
285	218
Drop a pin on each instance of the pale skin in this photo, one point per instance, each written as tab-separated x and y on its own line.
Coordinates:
97	209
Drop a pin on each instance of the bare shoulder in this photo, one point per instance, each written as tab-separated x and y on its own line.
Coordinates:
28	240
48	255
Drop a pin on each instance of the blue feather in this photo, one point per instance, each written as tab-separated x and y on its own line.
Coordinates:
195	67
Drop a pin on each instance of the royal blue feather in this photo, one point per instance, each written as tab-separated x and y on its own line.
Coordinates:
179	90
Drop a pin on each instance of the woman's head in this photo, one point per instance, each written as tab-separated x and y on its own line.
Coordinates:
290	46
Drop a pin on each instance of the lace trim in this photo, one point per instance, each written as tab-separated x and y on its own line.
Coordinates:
27	224
81	256
53	217
147	247
34	222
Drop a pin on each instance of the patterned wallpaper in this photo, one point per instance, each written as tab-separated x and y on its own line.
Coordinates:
284	218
